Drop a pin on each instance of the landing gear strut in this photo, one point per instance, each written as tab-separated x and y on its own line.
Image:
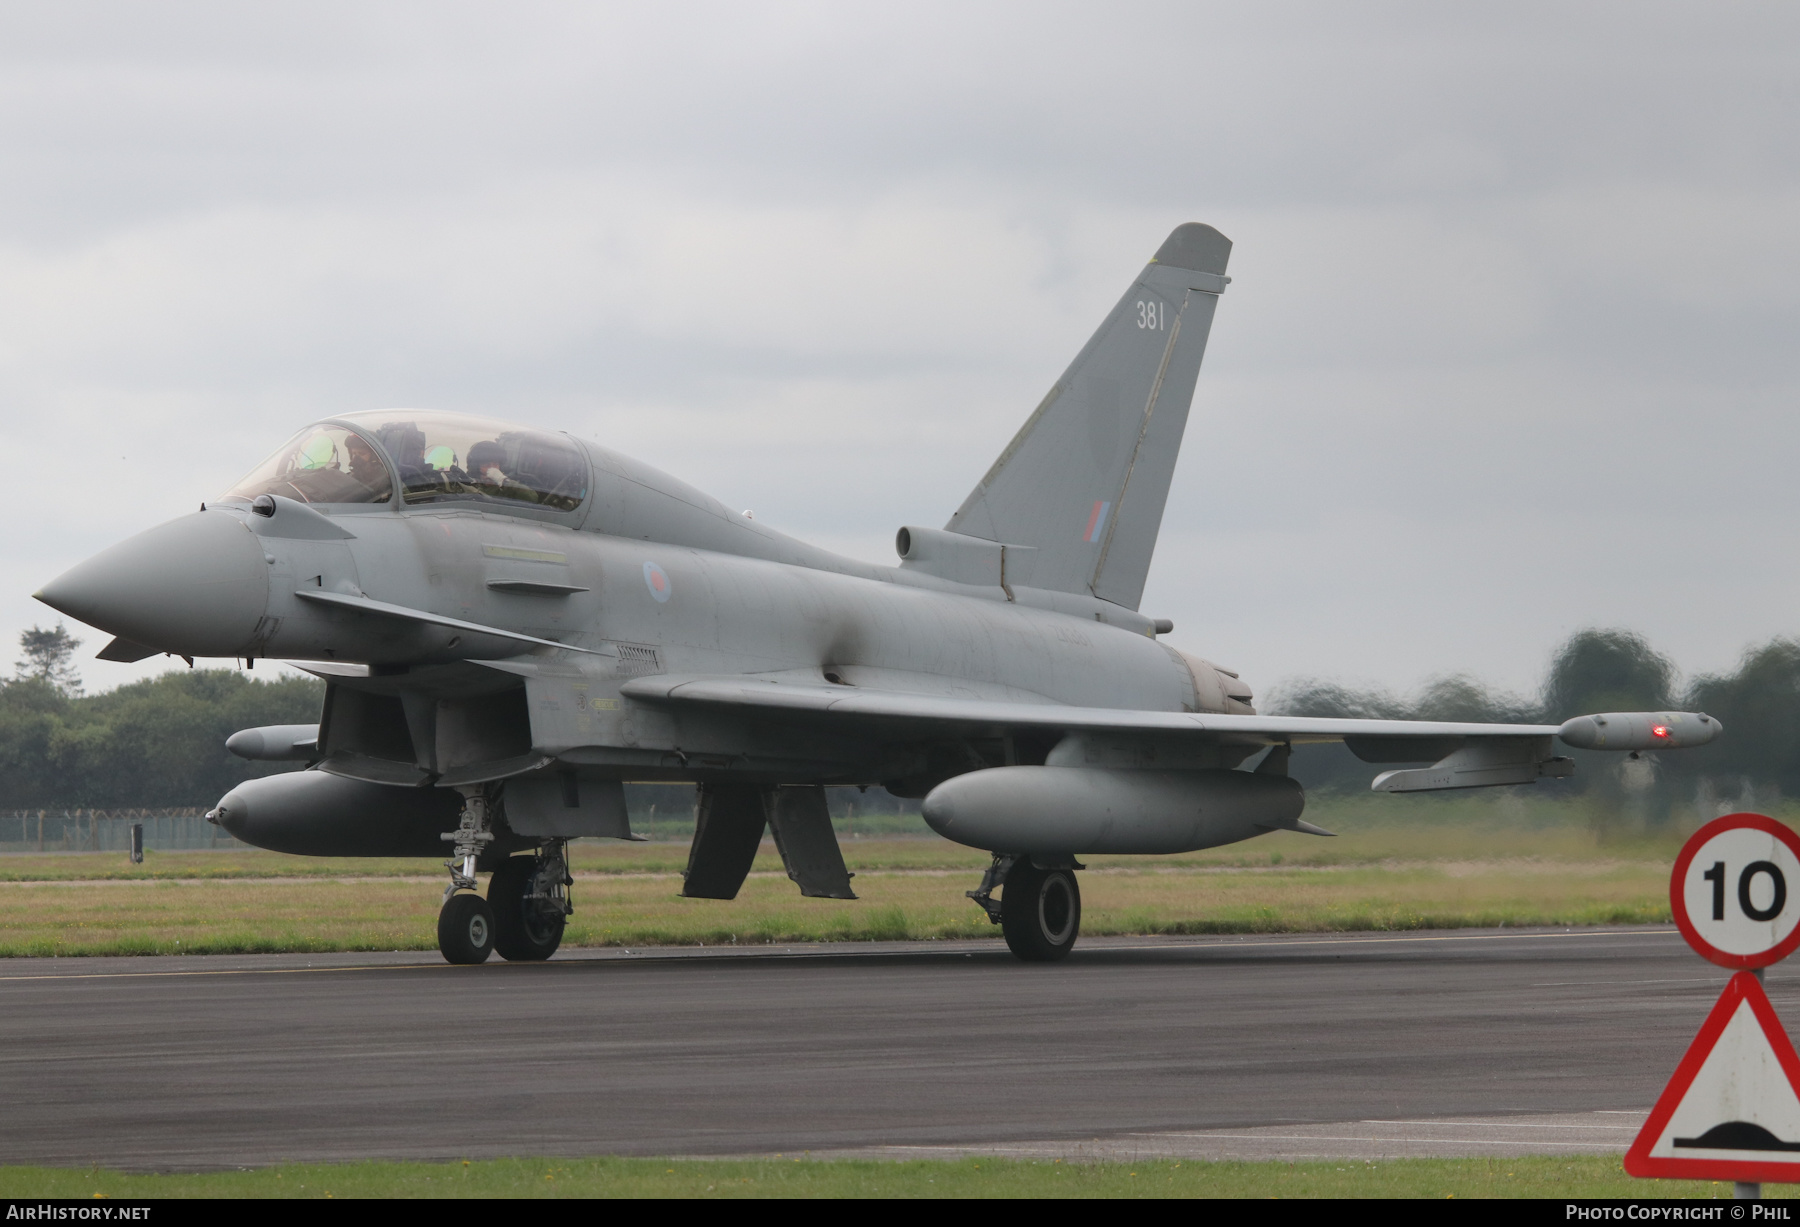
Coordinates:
466	925
530	899
1039	910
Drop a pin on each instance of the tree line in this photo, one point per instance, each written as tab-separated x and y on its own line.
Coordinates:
159	742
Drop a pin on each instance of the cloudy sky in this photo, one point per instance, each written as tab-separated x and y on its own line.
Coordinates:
1510	347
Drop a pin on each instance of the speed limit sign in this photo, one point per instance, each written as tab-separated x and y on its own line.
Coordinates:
1735	891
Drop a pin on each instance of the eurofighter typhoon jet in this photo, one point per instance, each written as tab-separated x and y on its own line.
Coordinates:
511	623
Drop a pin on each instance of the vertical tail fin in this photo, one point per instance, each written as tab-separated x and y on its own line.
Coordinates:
1084	482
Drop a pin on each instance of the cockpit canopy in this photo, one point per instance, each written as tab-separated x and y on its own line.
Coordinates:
437	457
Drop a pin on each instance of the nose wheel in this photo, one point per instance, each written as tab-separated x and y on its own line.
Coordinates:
1039	910
466	929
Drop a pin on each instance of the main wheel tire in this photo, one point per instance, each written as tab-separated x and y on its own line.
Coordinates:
466	929
1040	911
524	930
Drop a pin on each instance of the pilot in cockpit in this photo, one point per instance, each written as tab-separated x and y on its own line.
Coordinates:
365	466
490	479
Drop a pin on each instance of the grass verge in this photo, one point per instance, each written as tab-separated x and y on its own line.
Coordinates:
232	916
1583	1176
1398	864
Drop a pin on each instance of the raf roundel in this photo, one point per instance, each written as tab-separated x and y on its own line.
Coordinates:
657	580
1735	891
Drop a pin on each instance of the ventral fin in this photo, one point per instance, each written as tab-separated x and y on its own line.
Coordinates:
125	652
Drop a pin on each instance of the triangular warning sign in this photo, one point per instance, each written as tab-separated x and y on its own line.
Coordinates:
1732	1110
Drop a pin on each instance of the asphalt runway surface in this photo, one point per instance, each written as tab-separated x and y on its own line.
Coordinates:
1491	1041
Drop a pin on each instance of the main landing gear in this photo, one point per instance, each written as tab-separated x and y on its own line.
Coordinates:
529	896
1039	909
527	902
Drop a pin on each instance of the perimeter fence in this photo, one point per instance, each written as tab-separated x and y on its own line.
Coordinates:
109	830
661	811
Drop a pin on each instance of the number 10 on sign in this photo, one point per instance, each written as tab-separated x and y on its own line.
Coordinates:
1734	888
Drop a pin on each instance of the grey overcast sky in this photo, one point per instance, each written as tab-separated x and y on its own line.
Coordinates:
1510	348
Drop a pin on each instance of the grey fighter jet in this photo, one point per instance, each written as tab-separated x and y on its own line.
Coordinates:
513	622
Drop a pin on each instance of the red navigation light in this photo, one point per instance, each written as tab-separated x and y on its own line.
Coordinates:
1661	730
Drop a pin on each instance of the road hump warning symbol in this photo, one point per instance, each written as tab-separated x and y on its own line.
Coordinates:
1732	1110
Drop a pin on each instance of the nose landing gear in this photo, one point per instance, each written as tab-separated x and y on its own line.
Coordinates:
1039	911
466	922
474	831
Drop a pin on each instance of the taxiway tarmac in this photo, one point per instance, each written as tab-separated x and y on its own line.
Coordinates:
1130	1046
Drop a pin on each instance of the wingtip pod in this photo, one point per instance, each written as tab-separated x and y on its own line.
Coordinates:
1639	730
1197	247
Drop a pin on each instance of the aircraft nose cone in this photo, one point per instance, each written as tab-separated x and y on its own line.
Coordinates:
196	586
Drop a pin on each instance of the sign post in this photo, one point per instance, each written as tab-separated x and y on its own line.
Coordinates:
1732	1110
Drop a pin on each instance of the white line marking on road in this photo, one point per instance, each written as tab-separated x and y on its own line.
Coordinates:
232	971
1365	1139
922	948
1589	983
1375	941
1494	1124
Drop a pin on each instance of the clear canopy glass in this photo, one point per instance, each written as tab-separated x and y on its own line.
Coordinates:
438	456
321	464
